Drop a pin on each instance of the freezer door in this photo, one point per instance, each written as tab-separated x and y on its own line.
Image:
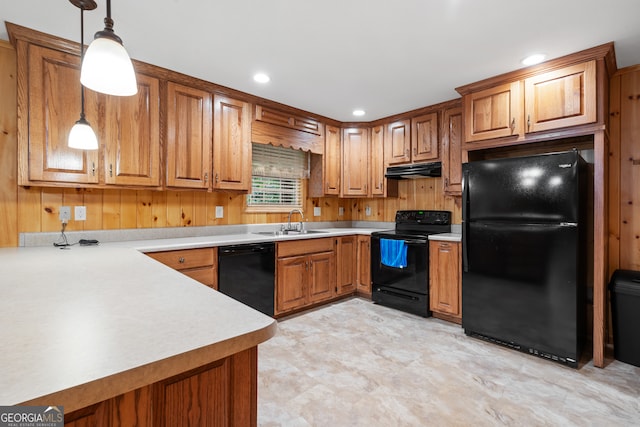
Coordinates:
522	284
535	189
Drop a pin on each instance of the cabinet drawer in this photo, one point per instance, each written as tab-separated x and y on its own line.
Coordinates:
184	259
204	275
304	247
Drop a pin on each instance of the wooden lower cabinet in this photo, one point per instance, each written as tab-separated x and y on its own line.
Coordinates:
445	285
346	254
222	393
363	266
305	273
200	264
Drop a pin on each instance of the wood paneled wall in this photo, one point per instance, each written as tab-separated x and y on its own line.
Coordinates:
624	170
8	146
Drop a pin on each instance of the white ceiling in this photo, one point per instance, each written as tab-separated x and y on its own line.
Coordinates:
332	56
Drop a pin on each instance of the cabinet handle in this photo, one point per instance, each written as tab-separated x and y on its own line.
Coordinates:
446	182
528	122
181	260
216	178
310	265
110	169
415	151
306	265
93	168
513	125
206	177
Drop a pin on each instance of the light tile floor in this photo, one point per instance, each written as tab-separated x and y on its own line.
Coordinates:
354	363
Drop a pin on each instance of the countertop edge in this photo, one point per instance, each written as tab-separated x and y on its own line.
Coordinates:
101	389
446	237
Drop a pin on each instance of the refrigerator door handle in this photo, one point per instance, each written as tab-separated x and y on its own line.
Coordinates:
465	220
568	224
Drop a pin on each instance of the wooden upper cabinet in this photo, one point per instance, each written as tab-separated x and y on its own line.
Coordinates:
452	151
355	162
532	100
189	136
561	98
493	113
398	142
377	181
331	161
424	138
231	144
48	107
132	136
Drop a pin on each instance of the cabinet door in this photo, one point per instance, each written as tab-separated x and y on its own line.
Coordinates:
493	113
322	276
424	137
346	261
231	144
355	165
561	98
444	295
363	257
189	123
331	161
52	97
132	136
398	143
452	151
291	284
377	161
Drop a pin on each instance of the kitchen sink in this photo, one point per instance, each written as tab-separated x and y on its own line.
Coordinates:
287	232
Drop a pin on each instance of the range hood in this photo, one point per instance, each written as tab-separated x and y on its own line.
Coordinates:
421	170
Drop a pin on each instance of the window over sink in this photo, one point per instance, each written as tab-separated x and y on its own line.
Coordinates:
277	178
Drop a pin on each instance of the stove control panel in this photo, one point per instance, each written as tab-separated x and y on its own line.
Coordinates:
423	217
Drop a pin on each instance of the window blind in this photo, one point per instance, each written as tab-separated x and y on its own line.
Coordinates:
277	175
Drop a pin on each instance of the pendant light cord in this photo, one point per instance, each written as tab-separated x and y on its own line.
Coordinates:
82	117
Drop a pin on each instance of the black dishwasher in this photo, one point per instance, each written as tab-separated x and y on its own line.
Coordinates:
247	273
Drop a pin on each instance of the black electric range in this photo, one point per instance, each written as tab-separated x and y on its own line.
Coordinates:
403	282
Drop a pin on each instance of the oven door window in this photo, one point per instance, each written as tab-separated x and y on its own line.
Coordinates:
413	278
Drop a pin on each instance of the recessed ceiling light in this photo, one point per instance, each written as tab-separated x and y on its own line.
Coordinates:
533	59
358	113
261	78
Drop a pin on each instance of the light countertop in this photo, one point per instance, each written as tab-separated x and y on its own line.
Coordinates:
448	237
157	245
84	324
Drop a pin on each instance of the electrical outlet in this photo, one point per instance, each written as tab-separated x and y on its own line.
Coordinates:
340	211
80	213
367	210
65	214
219	211
317	211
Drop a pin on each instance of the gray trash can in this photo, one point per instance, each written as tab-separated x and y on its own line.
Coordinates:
625	310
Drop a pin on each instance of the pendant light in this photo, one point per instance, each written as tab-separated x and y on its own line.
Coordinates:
107	67
81	135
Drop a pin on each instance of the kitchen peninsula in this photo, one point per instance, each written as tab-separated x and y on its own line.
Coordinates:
116	337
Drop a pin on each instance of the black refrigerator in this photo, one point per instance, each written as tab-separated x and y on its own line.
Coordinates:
524	249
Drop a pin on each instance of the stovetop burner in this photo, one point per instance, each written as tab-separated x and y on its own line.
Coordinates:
415	223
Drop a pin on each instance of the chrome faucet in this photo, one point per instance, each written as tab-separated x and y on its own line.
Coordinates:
301	226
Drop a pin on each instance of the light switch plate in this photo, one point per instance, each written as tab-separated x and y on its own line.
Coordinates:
65	214
367	211
317	211
340	211
80	213
219	211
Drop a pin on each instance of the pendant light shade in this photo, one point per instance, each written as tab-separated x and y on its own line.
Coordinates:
106	67
82	136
